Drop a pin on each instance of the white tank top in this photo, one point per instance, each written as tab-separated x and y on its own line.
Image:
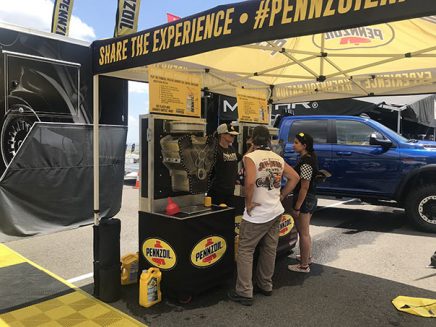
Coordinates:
269	171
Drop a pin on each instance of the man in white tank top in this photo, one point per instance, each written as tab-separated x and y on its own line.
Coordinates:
260	223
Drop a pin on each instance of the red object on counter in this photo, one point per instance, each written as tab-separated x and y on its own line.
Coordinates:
172	207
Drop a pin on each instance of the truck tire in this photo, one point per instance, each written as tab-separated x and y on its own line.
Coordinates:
421	207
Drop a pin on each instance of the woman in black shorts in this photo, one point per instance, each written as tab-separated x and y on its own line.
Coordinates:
304	199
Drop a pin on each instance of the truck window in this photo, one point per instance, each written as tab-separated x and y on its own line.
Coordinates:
316	128
354	133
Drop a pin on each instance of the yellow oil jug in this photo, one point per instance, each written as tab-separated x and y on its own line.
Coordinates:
149	287
129	268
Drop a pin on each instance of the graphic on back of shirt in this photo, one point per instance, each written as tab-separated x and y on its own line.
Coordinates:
270	171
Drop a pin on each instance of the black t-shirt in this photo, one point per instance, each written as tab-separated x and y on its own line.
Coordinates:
306	168
225	172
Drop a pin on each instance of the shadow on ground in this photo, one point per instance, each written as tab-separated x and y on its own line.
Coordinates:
356	219
325	297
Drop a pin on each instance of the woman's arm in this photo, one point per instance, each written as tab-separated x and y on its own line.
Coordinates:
292	181
302	194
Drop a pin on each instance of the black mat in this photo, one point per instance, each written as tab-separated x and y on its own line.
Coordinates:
23	285
325	297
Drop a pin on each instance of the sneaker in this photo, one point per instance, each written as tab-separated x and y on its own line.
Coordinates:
299	268
298	258
235	297
257	290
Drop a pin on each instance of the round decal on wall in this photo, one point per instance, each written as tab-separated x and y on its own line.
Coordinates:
208	251
159	253
286	224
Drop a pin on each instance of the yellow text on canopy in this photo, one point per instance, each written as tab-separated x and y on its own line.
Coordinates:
201	28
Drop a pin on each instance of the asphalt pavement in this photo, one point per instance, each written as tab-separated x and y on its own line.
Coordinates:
364	257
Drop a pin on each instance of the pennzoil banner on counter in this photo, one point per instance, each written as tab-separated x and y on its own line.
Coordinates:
174	93
252	106
127	17
62	11
248	22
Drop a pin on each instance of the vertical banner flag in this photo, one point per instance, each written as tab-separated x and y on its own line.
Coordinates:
127	17
172	18
252	106
61	16
173	92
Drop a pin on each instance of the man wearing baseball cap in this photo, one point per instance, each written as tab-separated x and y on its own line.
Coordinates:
226	167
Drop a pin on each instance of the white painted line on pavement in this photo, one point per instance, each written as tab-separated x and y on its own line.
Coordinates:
336	204
79	278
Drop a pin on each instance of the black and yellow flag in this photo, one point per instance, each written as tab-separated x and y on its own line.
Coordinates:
127	17
61	16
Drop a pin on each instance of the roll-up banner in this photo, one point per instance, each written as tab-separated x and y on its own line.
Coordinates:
252	106
62	11
174	93
248	22
127	17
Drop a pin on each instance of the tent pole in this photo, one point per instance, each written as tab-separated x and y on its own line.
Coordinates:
96	148
398	121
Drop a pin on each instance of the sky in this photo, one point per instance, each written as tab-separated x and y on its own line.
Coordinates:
95	19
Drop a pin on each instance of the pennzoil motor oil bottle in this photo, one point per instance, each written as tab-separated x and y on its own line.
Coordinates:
149	287
129	268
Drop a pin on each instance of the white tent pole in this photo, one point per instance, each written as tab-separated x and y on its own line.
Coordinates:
321	58
385	61
96	149
346	75
251	75
399	121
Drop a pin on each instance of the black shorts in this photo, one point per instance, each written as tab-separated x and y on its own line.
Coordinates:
309	203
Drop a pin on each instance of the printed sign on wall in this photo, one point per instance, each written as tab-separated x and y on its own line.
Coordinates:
174	93
252	106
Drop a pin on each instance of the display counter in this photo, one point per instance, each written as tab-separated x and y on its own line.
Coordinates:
194	251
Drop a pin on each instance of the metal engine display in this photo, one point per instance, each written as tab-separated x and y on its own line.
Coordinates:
190	160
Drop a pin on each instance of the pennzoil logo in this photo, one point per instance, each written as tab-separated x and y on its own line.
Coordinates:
208	251
286	225
359	37
159	253
238	220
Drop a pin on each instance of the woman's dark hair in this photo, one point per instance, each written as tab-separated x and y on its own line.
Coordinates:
261	136
307	140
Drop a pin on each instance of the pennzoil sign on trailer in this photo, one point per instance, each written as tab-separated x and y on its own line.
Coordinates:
208	251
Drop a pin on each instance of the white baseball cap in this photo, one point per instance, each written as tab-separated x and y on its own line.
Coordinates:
226	129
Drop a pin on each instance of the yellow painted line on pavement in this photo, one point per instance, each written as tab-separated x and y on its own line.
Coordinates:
77	308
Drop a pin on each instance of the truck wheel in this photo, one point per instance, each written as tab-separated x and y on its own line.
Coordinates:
421	208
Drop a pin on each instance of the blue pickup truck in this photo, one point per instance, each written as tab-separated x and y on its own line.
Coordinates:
371	162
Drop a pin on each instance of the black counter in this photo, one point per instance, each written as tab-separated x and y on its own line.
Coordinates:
194	252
